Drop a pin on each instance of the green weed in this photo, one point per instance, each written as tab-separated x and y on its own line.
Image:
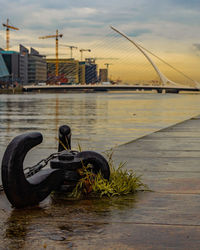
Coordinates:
121	182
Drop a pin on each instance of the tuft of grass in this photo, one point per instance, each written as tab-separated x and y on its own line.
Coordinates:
121	182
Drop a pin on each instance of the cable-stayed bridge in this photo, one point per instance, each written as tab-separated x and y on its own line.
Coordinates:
98	87
165	81
138	67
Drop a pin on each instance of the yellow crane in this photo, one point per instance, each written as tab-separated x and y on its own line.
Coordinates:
54	36
8	27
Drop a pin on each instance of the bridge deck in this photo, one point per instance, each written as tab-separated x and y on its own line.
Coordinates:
108	87
167	218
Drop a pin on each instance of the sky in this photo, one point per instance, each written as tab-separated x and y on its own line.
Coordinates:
169	28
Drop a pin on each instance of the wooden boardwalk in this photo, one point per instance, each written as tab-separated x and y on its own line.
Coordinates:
167	218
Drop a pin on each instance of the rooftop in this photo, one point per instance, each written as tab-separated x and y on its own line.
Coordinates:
8	52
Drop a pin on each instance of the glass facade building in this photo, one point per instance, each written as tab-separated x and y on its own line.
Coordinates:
68	70
37	67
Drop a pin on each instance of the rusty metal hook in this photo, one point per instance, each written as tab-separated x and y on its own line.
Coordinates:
63	174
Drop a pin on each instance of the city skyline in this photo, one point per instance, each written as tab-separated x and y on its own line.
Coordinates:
168	28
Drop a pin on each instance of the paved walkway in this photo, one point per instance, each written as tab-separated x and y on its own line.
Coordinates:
167	218
169	162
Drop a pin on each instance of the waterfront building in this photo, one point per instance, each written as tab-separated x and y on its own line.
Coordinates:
103	75
82	73
72	71
88	71
68	71
37	67
11	61
91	75
4	74
32	66
25	67
23	64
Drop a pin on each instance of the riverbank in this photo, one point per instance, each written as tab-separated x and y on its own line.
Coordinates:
167	217
17	90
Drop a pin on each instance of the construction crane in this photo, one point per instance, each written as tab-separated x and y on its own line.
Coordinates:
105	58
107	65
71	48
82	50
54	36
8	27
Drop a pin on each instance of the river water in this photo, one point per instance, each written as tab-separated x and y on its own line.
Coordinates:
99	121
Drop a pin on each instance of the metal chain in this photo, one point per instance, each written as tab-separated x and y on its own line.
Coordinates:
41	164
36	168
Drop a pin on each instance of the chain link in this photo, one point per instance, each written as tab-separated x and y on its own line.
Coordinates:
41	164
36	168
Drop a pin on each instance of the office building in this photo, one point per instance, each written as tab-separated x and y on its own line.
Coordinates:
68	70
88	71
24	67
82	73
103	75
37	67
23	64
4	74
11	60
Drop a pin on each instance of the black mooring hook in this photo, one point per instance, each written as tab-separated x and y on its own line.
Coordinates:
63	173
20	191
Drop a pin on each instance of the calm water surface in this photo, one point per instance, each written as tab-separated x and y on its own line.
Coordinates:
99	121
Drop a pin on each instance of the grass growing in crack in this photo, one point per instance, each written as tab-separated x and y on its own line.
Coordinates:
121	182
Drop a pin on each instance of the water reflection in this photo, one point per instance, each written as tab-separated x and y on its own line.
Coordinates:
99	121
16	230
62	222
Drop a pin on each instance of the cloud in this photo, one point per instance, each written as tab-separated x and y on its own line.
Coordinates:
139	32
79	21
192	4
197	46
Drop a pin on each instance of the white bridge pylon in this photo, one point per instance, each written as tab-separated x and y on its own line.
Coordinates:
164	80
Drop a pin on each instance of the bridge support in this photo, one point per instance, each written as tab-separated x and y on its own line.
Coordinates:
171	91
159	91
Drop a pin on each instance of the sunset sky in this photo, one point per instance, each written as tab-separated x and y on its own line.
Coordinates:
169	28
